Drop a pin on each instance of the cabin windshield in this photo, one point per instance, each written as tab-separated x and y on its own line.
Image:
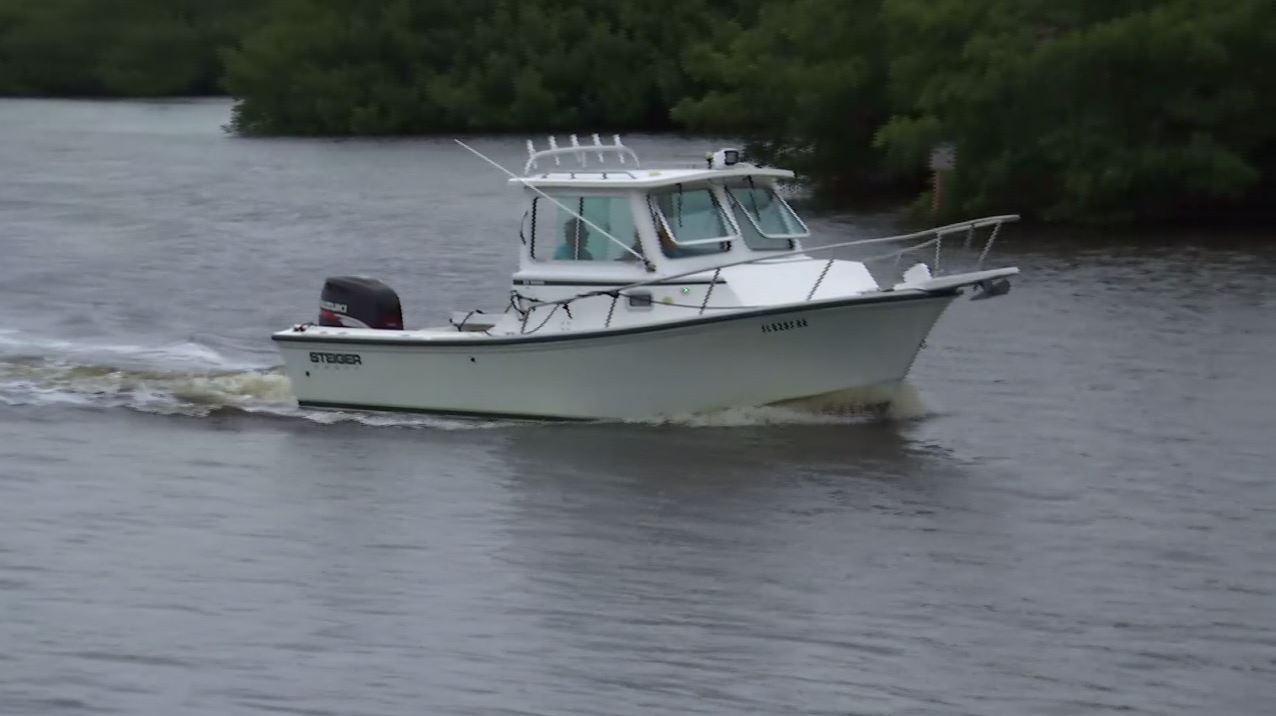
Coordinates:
558	235
766	220
690	222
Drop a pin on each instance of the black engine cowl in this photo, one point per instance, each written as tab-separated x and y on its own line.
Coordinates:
359	302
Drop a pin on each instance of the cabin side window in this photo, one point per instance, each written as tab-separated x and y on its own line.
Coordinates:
765	219
689	222
561	235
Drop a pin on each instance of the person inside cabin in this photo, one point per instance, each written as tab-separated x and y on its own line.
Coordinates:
635	252
575	236
667	245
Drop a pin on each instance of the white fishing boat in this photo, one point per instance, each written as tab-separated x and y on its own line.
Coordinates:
644	293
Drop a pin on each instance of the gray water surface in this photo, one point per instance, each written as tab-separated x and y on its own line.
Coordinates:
1078	517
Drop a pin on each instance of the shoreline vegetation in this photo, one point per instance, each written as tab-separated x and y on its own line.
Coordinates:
1080	111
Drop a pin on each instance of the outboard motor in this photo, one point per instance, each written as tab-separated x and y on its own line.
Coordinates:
359	302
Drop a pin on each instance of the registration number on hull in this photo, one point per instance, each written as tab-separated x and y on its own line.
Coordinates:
784	325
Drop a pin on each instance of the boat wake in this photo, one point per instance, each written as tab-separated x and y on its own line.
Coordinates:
902	402
187	379
191	379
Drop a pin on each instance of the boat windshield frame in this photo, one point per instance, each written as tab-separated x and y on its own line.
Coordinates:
727	189
661	221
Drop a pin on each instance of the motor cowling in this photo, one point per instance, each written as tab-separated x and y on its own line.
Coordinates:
359	302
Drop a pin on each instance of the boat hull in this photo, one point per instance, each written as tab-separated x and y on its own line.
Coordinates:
740	360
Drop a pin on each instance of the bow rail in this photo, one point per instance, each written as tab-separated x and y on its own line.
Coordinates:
936	235
933	238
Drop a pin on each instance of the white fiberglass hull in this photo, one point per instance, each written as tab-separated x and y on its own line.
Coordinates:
738	360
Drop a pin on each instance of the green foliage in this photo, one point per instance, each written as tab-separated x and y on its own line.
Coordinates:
807	81
1097	110
150	58
341	67
1084	110
114	47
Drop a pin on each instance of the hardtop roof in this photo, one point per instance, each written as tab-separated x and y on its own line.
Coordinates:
643	178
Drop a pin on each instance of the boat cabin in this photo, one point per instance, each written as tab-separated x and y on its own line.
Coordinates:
617	222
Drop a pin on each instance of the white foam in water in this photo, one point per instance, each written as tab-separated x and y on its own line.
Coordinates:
393	420
907	404
900	402
185	354
175	379
750	417
260	392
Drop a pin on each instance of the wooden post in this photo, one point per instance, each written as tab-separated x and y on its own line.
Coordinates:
943	159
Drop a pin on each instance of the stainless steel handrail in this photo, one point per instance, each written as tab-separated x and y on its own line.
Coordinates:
938	233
